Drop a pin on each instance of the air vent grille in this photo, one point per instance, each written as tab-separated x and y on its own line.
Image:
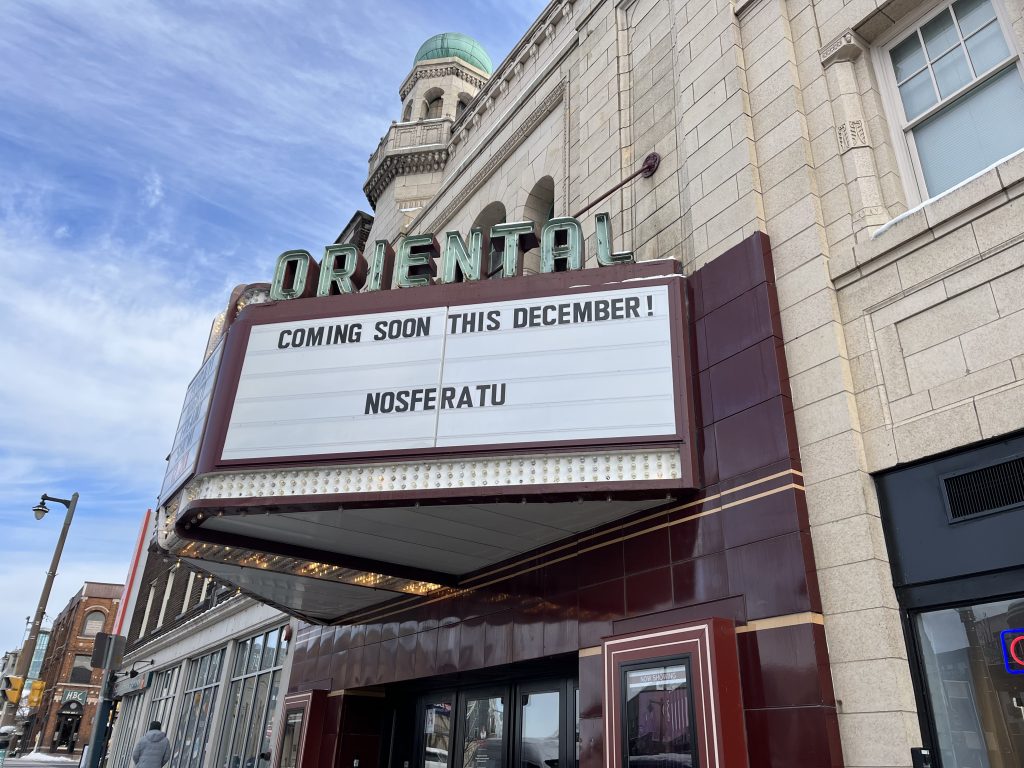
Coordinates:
986	490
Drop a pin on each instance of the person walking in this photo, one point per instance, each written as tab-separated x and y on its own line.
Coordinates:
153	750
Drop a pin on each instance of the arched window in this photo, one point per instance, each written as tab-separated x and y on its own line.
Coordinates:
487	218
407	115
433	102
462	103
93	623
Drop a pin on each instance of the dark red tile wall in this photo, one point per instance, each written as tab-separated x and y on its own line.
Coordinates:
747	562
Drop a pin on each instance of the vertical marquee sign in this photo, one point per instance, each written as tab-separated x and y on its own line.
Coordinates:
181	462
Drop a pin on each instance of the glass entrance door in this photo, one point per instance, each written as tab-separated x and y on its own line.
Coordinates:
514	725
540	737
483	729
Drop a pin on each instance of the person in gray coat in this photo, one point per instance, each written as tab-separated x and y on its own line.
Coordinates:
153	749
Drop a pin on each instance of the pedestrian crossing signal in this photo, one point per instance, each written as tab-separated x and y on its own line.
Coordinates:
10	687
35	694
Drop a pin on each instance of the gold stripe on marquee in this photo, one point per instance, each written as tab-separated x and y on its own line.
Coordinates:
471	584
775	622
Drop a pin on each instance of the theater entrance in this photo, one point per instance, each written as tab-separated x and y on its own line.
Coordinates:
525	721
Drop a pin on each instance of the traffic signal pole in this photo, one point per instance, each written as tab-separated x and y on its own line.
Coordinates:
28	649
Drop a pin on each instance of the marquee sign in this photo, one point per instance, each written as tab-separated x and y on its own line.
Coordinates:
582	367
185	450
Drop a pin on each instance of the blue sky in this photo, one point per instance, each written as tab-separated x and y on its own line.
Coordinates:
152	156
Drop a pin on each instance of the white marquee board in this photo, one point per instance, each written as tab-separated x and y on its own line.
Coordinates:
582	368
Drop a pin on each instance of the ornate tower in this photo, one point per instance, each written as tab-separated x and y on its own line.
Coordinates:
408	165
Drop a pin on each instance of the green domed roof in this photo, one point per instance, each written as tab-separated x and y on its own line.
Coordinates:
449	44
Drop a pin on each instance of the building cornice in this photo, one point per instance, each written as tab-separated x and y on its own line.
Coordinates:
234	604
417	160
443	68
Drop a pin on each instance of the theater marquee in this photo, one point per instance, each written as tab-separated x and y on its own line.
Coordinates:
370	443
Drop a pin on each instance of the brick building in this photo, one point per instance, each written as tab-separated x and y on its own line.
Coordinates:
64	719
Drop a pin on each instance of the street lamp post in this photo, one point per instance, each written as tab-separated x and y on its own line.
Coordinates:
28	648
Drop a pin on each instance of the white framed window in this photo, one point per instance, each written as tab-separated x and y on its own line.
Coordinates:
955	88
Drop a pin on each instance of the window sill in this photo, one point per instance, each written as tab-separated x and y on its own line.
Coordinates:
934	218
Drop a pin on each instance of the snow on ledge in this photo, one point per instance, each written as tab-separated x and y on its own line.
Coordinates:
930	200
43	757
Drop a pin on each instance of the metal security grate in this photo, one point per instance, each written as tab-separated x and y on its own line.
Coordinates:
986	490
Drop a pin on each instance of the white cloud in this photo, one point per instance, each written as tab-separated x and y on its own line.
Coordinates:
154	190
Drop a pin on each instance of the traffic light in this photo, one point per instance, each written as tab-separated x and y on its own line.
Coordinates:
35	694
10	687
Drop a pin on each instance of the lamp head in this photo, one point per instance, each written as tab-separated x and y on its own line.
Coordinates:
40	509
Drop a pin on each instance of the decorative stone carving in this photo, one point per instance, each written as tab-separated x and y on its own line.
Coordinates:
442	71
852	134
422	161
846	47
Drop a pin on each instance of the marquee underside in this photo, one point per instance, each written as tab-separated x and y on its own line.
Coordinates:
359	558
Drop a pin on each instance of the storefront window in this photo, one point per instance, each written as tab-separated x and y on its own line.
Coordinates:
189	743
126	735
976	695
252	699
165	685
657	720
484	731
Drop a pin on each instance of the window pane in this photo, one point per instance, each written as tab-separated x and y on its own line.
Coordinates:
93	623
484	727
269	721
541	714
241	658
256	653
214	674
270	652
951	72
257	722
918	94
437	730
972	691
972	14
907	58
987	48
224	759
939	35
975	131
657	722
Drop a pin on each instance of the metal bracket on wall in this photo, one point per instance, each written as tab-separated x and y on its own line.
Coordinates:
650	165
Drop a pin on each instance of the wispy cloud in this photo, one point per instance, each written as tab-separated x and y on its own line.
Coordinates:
153	155
154	189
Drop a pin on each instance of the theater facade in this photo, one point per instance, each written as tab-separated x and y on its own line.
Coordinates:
666	411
